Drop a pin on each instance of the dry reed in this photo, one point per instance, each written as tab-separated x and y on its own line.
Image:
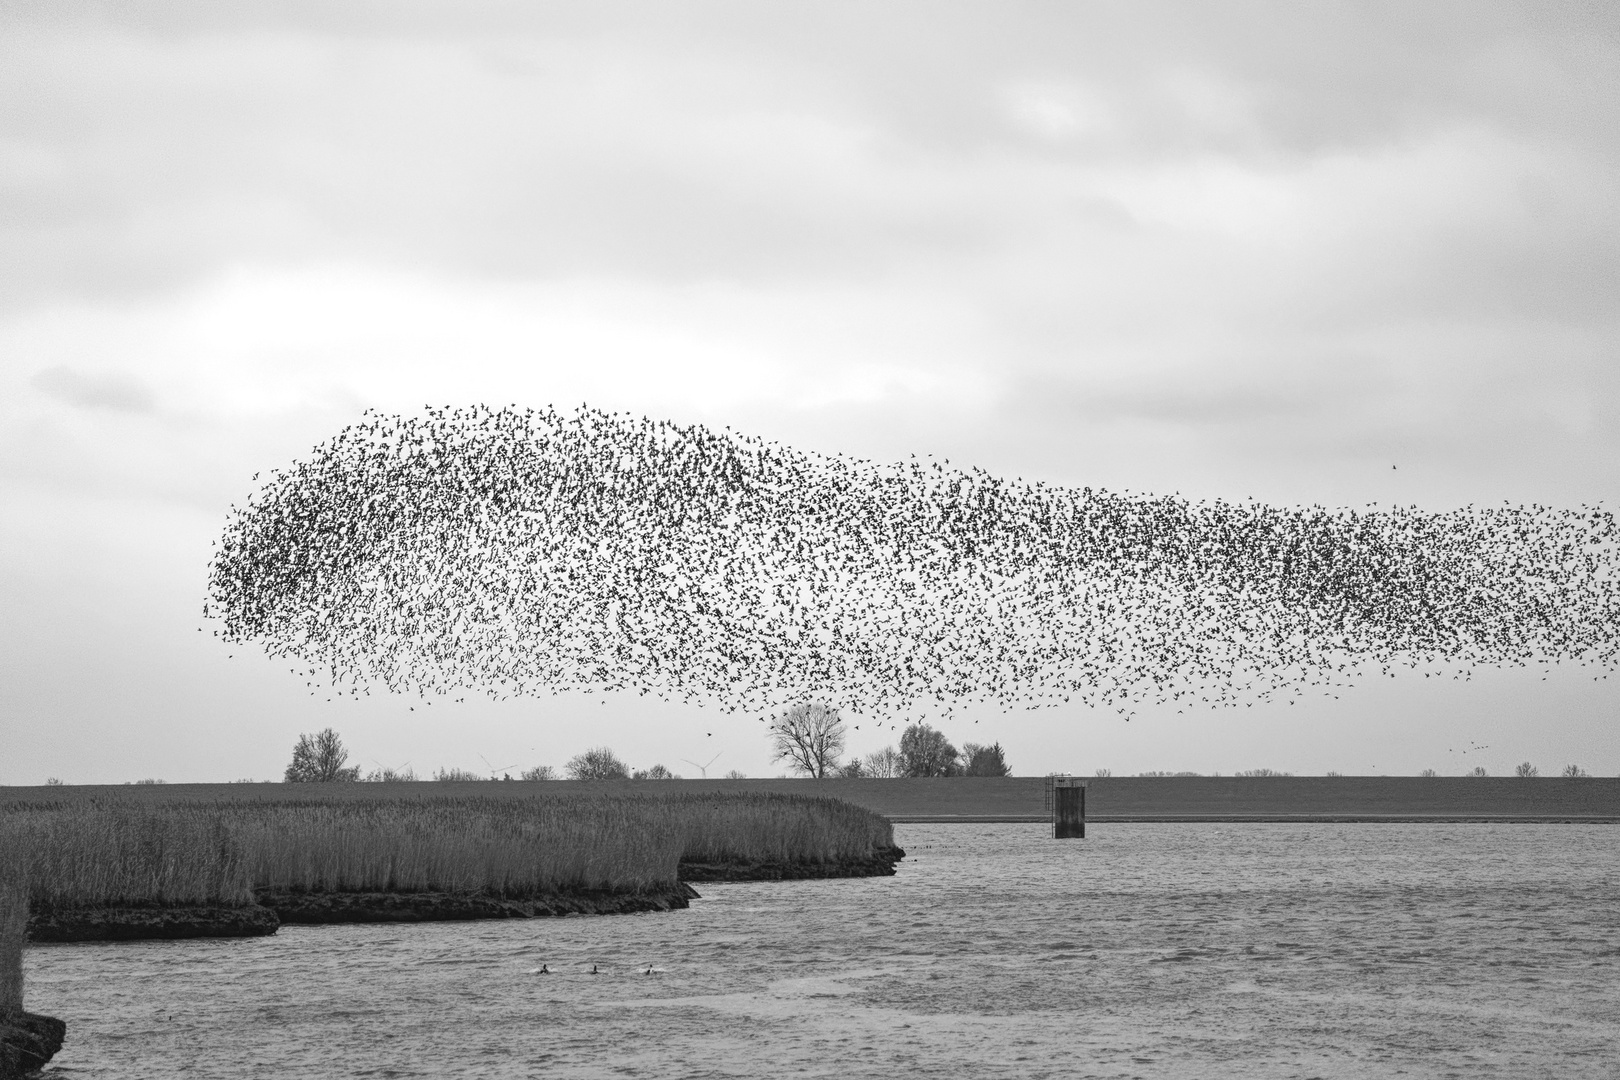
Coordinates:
13	928
110	855
777	828
507	848
111	852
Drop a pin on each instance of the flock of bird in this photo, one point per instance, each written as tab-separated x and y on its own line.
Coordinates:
508	551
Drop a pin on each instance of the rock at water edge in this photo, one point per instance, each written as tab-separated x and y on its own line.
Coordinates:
27	1042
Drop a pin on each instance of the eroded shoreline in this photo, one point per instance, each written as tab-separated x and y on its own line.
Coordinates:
295	907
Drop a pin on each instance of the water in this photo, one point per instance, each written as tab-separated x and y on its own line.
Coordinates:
1145	950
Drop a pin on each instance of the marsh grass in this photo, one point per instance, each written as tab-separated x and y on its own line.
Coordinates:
776	828
105	852
102	854
13	927
508	848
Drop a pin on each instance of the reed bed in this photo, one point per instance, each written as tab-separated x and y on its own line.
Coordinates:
112	855
125	853
506	848
777	828
13	928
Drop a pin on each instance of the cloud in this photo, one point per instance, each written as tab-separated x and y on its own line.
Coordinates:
1236	249
156	152
119	393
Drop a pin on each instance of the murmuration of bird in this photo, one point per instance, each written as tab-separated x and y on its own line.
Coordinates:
530	551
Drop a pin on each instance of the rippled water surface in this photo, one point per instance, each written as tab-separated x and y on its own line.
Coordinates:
1144	950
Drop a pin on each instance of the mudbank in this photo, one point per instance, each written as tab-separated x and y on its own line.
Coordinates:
880	864
313	908
149	923
27	1042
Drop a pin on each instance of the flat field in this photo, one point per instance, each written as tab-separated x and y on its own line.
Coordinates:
1169	798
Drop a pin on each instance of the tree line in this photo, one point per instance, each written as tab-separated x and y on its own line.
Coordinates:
811	739
322	758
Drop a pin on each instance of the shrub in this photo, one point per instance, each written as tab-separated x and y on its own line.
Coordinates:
389	775
458	775
1428	772
1525	770
1477	770
1173	774
926	752
985	760
852	769
1262	772
1574	772
657	772
319	758
540	772
598	763
736	774
1104	773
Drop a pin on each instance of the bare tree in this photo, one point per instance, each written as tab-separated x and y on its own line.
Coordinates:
657	772
1526	770
319	759
810	737
884	763
1574	771
597	763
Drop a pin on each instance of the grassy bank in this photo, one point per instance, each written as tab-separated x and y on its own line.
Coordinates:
122	850
1117	798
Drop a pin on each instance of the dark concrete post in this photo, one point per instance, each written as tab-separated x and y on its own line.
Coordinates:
1068	809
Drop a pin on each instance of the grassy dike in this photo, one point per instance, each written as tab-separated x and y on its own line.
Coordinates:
112	863
1020	798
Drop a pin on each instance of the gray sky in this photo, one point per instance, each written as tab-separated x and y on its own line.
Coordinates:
1230	250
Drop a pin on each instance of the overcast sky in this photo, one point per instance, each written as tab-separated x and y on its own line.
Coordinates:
1231	249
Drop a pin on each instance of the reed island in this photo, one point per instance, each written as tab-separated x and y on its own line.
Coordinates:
114	866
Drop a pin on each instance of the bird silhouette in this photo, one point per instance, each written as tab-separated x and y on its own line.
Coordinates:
513	552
